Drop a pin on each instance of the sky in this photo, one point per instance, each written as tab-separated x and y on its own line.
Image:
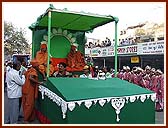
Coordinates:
23	14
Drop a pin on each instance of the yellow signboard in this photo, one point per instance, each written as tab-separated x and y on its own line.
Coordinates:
135	59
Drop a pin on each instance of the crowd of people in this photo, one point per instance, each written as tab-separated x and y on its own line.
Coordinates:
127	41
22	84
105	43
22	81
148	78
22	90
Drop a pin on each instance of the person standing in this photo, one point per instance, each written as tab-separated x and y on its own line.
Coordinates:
14	91
159	94
146	77
120	74
107	73
162	89
86	72
22	70
30	92
9	67
127	73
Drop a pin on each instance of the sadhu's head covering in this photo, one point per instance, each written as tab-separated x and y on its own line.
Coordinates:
75	45
42	46
34	63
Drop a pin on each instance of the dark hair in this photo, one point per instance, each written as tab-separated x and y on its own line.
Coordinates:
63	64
16	64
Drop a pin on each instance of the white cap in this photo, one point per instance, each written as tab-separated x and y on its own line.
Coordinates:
124	67
139	69
135	70
75	44
100	71
159	71
128	67
43	42
96	66
9	62
147	67
153	69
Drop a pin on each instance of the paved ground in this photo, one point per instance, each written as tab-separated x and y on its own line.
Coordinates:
159	116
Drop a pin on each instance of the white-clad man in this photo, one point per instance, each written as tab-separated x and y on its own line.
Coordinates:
86	72
14	92
8	68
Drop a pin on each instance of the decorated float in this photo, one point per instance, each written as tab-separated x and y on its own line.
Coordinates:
78	100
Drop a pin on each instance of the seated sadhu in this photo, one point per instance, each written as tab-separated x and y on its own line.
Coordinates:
75	59
41	57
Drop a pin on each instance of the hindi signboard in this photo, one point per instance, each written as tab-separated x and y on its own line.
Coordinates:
151	48
146	48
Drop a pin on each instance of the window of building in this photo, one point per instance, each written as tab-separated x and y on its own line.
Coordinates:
160	38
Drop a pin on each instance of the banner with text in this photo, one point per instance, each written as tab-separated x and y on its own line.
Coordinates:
151	48
109	51
139	49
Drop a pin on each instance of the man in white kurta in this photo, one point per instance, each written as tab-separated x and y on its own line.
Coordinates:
14	92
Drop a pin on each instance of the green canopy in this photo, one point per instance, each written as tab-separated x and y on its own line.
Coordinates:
75	21
68	20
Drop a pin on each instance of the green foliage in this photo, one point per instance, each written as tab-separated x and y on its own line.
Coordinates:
14	39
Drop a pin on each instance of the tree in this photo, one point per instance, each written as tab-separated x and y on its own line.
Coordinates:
14	39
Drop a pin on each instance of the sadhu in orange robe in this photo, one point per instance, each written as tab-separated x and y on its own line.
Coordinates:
75	59
30	93
41	57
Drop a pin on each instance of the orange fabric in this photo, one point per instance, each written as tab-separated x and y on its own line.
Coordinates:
30	93
73	69
75	59
42	69
56	61
34	63
52	69
41	57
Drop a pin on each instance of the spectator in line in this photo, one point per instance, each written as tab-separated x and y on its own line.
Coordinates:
22	71
107	73
23	68
96	70
86	72
9	67
14	92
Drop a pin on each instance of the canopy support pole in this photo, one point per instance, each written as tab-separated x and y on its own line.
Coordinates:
116	21
33	54
104	62
48	44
